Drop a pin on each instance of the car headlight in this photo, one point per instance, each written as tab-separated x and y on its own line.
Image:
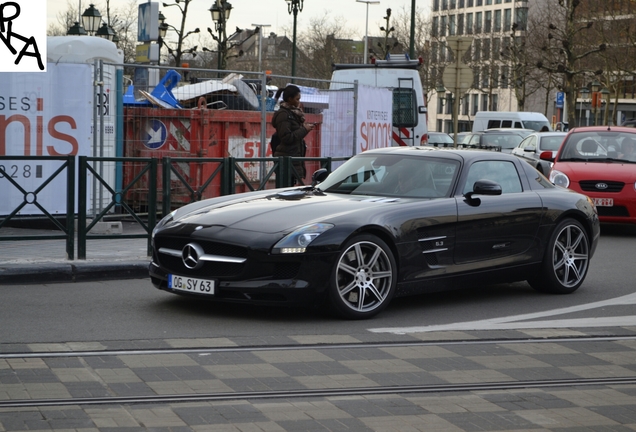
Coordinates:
559	179
298	240
162	222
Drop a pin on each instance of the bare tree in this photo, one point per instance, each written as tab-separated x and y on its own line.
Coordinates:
180	47
569	24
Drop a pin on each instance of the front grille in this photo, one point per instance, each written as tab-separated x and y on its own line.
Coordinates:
211	248
612	186
210	269
286	270
615	211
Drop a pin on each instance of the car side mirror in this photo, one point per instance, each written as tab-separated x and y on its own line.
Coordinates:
484	187
547	156
319	176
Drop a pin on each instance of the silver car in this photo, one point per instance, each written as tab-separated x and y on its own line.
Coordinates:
533	145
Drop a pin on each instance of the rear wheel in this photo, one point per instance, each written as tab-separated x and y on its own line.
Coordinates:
364	278
566	261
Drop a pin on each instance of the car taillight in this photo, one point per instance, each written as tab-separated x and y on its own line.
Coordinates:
424	139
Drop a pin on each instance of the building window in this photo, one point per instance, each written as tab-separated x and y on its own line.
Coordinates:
434	52
449	103
477	49
494	78
505	79
453	4
521	18
469	23
484	102
485	51
488	22
488	2
497	27
507	20
451	25
497	1
466	105
461	4
475	105
478	22
440	105
485	77
435	5
475	78
442	27
444	4
480	2
469	3
440	125
496	49
495	100
460	24
434	31
442	53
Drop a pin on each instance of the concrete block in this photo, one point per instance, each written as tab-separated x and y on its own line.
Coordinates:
112	227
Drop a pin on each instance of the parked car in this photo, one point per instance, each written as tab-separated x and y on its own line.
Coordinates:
629	123
504	139
388	222
440	139
600	161
533	145
461	137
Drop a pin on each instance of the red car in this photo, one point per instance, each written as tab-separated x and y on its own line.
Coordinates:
599	161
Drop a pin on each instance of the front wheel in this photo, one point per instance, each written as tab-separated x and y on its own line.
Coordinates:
363	279
566	260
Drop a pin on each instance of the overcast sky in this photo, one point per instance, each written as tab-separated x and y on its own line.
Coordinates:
273	12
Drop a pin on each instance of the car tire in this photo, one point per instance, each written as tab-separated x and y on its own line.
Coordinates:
566	260
364	278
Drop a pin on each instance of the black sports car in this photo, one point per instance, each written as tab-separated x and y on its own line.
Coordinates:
388	222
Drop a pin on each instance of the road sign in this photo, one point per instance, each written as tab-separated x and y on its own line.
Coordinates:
156	134
458	76
560	97
148	22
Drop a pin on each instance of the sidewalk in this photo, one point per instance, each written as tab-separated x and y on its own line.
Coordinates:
44	261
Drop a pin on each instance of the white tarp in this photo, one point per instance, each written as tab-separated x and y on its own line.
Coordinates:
43	114
374	121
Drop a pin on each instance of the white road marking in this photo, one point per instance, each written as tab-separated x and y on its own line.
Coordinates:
521	321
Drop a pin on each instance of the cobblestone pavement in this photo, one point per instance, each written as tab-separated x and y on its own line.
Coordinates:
212	367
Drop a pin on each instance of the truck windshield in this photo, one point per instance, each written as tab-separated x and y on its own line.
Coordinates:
535	125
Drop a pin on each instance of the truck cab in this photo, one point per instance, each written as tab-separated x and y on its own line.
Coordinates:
400	75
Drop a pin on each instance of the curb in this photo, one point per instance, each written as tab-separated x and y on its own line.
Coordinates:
22	274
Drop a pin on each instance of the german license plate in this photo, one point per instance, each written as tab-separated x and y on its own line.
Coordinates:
191	285
603	202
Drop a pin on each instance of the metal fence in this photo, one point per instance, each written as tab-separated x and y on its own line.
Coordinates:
140	154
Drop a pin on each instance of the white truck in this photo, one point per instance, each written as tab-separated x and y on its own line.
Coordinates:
400	75
509	119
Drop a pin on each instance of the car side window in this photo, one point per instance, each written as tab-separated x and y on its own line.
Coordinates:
502	172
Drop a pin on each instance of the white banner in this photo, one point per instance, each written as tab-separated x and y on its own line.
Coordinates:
43	114
374	119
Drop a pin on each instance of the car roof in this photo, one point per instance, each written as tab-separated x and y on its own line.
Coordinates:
603	129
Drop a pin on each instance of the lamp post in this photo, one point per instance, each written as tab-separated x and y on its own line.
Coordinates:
106	32
366	28
584	95
293	7
259	27
220	15
163	31
596	99
91	19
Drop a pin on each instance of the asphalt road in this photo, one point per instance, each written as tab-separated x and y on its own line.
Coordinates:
135	310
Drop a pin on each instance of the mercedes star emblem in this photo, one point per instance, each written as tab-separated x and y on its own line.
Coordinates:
191	256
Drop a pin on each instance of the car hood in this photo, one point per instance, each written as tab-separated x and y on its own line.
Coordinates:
281	211
625	172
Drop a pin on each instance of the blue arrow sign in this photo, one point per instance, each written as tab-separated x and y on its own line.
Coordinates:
156	134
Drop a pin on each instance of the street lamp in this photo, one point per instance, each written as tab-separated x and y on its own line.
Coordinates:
76	30
259	28
294	6
220	15
91	19
584	95
106	32
366	28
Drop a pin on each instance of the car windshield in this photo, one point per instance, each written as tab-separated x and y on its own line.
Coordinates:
603	146
551	143
505	141
393	175
440	138
535	125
